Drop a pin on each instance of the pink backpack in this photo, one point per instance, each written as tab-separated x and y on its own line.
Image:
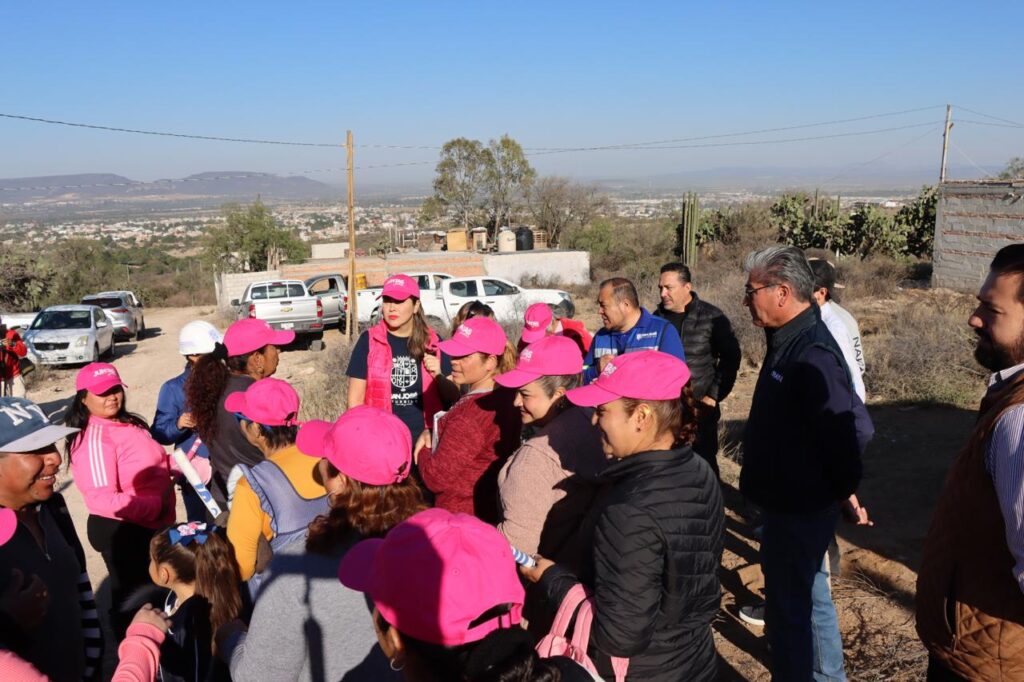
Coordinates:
555	643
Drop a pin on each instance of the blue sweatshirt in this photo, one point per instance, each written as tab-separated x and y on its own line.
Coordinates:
649	333
170	405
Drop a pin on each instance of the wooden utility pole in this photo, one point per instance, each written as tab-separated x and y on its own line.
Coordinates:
352	318
945	141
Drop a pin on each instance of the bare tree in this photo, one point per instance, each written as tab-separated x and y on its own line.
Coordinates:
556	204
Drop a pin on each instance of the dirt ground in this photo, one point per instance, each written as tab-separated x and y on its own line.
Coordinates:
904	469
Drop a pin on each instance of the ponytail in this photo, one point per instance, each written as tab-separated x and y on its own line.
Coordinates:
207	562
206	383
419	339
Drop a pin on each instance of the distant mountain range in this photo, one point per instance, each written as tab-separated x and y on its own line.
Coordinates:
99	187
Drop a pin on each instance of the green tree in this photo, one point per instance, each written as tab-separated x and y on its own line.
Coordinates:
459	183
1014	169
918	221
250	239
24	280
507	179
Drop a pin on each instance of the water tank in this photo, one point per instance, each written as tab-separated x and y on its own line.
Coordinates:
506	241
524	239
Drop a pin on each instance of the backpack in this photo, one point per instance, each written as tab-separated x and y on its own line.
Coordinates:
579	602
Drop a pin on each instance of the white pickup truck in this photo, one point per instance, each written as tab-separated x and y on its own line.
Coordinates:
442	295
283	304
509	301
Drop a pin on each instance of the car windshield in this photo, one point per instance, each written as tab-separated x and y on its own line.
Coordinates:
63	319
103	302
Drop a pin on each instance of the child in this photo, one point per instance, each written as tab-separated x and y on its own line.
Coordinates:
195	562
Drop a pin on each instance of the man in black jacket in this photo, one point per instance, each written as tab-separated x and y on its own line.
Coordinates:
801	461
712	351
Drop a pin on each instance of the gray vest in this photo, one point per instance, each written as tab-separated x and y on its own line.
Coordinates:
290	513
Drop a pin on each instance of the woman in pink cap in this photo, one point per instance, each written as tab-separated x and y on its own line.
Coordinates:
125	480
447	603
547	486
657	543
394	364
278	498
481	430
305	626
249	353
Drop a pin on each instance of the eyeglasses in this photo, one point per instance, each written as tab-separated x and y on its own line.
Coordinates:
749	292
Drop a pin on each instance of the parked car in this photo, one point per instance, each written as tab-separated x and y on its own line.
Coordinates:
508	300
124	311
283	304
66	334
333	294
430	286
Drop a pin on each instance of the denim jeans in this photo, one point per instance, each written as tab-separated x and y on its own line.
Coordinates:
800	618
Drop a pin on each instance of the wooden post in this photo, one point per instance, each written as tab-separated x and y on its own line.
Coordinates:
352	318
945	141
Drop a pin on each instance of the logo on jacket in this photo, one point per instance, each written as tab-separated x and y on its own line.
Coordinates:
646	335
777	375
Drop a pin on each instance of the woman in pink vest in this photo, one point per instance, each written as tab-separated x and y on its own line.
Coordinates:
125	480
395	365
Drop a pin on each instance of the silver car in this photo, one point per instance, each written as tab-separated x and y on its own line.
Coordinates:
123	310
69	334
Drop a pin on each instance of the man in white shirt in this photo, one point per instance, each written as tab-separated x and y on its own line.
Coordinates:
825	297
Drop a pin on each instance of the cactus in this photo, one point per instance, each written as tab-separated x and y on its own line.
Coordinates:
686	231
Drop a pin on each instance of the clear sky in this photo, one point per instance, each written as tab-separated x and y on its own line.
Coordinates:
549	74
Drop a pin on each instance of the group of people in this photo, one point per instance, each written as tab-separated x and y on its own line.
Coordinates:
481	494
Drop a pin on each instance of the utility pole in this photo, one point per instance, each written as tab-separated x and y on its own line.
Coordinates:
352	318
945	141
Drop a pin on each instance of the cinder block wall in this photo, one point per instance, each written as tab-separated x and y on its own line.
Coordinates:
974	220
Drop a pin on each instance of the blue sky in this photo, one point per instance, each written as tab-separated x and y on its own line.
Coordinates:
550	75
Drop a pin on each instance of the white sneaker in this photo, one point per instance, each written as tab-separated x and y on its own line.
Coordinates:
753	615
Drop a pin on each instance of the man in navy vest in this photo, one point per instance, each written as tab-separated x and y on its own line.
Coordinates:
802	453
627	328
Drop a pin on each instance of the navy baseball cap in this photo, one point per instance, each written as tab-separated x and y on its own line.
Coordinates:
24	426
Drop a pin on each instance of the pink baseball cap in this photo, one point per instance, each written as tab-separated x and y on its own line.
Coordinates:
551	356
536	322
366	443
476	335
270	402
400	287
438	576
97	377
643	375
250	334
8	525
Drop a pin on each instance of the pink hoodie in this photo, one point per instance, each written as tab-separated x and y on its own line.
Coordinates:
123	474
139	653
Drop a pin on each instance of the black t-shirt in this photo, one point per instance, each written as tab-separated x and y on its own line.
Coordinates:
406	378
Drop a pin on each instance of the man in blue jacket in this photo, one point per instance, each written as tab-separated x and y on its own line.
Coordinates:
173	424
627	328
802	453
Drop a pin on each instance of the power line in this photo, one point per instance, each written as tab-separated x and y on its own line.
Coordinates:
749	132
880	156
969	159
994	118
166	134
989	123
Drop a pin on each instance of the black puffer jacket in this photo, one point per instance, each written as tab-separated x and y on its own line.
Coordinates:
712	351
656	550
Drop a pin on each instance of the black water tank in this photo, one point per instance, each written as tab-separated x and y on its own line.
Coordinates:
524	239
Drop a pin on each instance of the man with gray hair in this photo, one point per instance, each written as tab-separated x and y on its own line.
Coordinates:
801	461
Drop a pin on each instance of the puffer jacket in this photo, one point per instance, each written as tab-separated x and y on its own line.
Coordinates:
712	351
378	375
654	572
123	473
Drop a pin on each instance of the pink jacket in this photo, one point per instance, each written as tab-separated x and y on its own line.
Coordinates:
378	375
123	474
139	652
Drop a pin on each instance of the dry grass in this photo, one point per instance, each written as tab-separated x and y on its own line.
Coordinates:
325	396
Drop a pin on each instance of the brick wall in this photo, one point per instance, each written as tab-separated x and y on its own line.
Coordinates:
974	220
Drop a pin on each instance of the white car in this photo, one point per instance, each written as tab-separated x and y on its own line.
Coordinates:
69	334
509	301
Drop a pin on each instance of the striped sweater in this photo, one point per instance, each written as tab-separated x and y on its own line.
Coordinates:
123	474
